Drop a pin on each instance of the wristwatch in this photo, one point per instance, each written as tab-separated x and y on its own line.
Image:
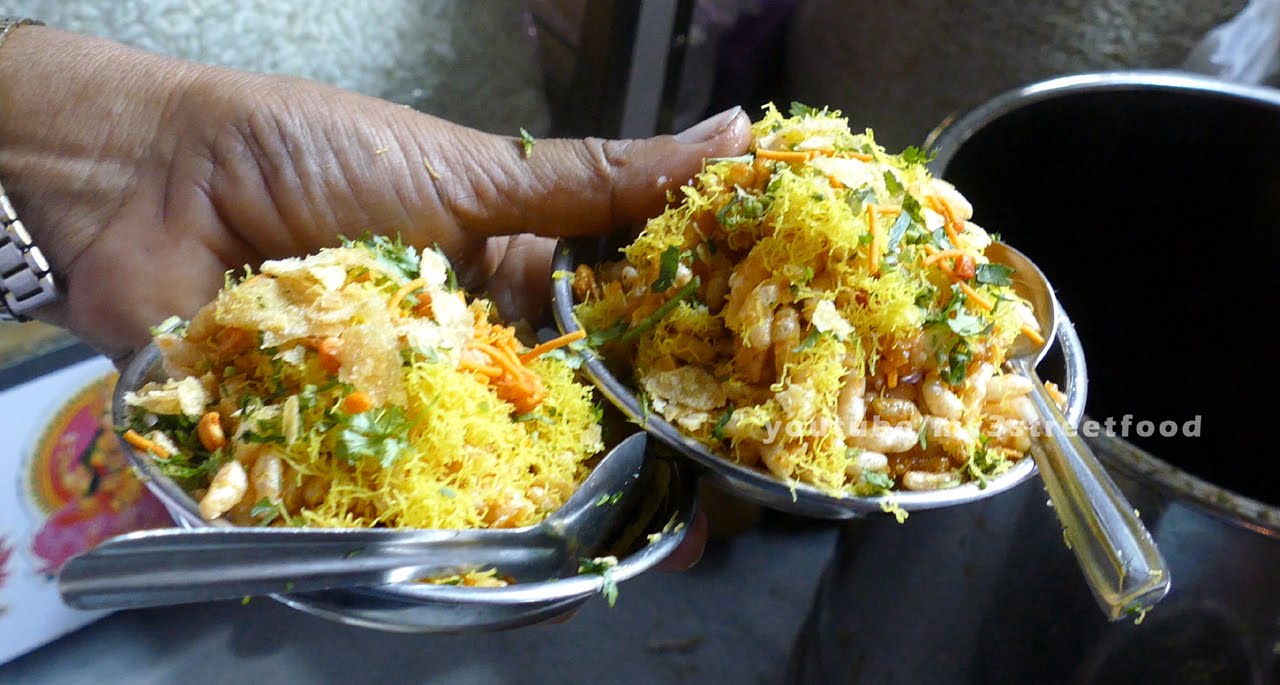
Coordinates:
26	281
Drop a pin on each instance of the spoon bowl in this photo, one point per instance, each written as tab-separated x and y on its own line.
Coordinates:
1124	569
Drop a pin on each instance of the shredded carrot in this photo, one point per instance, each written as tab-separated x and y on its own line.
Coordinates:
144	444
504	359
875	239
554	343
789	156
357	403
949	221
888	210
394	304
858	155
482	369
1033	334
835	182
938	255
975	296
423	308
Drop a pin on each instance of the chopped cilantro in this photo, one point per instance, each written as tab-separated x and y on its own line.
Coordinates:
603	566
994	274
967	324
265	511
395	256
668	267
570	356
268	431
717	433
982	463
880	483
958	360
958	318
799	109
809	341
860	198
609	499
911	207
378	434
526	142
914	155
744	209
892	184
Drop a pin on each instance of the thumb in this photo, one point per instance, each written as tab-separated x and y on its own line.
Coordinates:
574	187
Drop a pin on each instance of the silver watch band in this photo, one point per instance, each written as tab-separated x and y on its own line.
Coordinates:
26	281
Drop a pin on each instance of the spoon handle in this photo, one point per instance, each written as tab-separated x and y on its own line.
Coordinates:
175	566
1121	563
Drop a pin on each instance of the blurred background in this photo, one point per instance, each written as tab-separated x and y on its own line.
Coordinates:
610	68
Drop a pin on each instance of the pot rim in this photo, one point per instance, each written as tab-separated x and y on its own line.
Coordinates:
955	130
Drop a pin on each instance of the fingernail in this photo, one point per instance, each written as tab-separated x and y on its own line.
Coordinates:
708	128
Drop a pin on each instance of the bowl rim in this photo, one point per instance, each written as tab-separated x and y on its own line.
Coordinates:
798	498
532	595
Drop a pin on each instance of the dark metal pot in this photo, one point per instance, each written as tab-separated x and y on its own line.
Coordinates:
1152	201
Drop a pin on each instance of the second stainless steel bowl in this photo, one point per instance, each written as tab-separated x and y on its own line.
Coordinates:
760	486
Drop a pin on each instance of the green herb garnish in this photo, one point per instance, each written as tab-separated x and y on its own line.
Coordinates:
603	566
717	433
799	109
376	434
958	360
527	142
395	256
994	274
668	267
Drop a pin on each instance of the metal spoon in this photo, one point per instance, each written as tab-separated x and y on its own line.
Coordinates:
1119	559
175	566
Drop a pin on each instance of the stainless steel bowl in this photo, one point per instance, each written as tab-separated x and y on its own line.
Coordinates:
662	501
1066	364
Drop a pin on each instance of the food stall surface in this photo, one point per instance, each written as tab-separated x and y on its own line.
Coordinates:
731	619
